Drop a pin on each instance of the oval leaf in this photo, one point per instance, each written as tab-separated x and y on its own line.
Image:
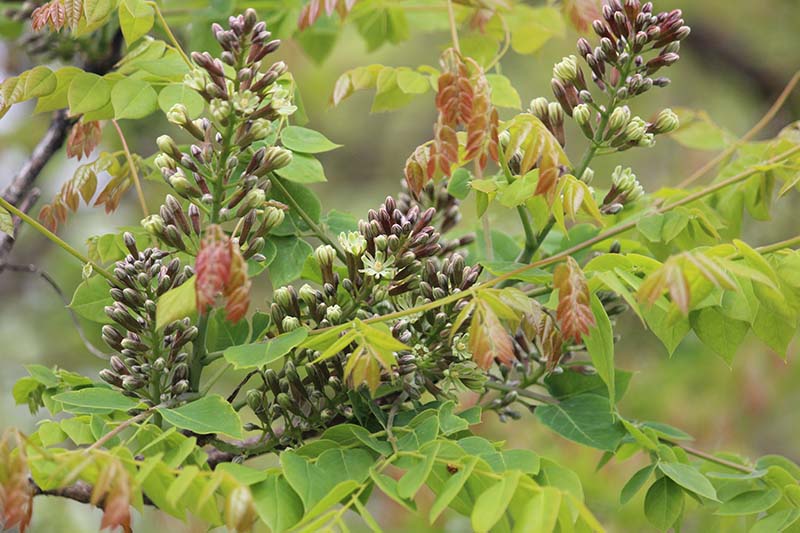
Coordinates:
211	414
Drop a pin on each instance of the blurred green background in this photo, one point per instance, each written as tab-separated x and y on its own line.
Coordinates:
737	59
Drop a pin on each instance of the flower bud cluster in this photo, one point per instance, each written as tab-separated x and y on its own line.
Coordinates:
223	174
625	189
635	43
149	364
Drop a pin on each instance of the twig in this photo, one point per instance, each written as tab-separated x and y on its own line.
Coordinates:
495	385
451	16
761	124
710	458
33	269
318	231
134	173
117	430
21	186
57	240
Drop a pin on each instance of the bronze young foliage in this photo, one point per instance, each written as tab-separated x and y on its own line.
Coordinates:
357	373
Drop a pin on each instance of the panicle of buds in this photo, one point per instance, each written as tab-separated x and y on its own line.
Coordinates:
149	364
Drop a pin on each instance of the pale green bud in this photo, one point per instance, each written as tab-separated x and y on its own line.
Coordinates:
153	224
167	145
325	255
635	130
539	107
588	176
220	109
555	113
582	114
566	70
290	323
666	121
178	115
283	297
619	119
333	314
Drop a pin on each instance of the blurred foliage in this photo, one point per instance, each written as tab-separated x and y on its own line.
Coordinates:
691	389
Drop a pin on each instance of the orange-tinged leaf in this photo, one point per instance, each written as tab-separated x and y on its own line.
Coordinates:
574	313
83	139
671	278
539	149
581	13
212	266
52	14
488	338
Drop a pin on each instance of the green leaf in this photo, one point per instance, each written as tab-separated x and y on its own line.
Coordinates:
492	503
666	431
414	478
313	481
776	522
135	19
572	383
260	354
304	168
532	27
96	10
553	474
699	132
90	298
6	222
600	345
276	503
689	478
412	82
179	93
722	334
99	399
635	483
663	503
288	264
133	99
40	82
503	93
176	303
458	185
750	502
88	92
389	95
451	488
210	414
298	139
586	419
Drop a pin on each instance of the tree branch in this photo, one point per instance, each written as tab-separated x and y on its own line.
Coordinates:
19	190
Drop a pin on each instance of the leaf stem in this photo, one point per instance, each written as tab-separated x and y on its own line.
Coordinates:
451	17
117	430
556	258
171	36
710	458
318	231
134	173
760	125
57	240
502	387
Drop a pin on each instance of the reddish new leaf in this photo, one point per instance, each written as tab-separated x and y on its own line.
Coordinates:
488	338
463	99
237	289
113	490
16	494
83	139
671	278
537	147
51	14
542	329
574	313
313	10
581	13
212	266
221	271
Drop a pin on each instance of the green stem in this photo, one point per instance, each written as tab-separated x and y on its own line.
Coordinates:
502	387
56	239
556	258
710	458
318	231
198	353
171	36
